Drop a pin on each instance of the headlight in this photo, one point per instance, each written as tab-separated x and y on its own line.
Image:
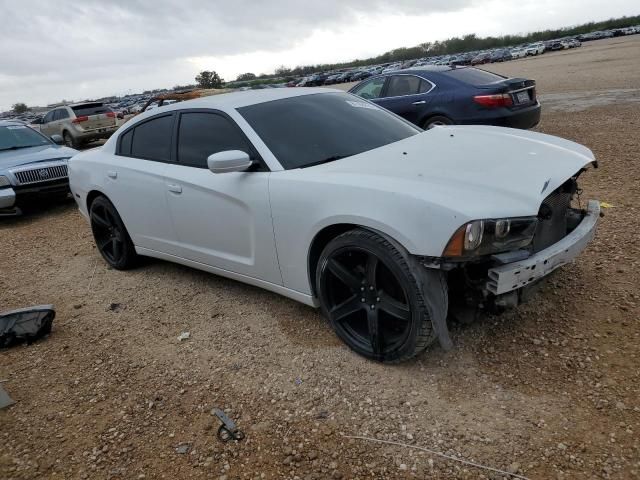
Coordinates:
483	237
4	182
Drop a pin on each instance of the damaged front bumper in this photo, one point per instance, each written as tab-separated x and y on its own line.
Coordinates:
512	276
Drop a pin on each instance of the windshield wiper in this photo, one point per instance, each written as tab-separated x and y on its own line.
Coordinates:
17	147
326	160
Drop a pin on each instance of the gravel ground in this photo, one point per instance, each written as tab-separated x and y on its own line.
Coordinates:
550	390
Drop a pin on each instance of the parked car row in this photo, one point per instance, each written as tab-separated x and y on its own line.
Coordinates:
468	58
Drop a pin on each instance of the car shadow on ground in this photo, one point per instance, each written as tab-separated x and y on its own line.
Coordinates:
37	212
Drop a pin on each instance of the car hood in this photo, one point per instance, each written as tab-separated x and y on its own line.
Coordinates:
474	171
23	156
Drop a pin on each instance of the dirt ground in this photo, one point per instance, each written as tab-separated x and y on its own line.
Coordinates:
548	391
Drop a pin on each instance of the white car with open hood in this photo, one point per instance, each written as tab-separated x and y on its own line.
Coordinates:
328	199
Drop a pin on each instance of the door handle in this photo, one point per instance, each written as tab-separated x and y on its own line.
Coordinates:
421	102
112	174
174	188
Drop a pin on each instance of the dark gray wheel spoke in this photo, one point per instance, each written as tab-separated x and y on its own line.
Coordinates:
371	269
109	216
345	309
373	320
344	275
116	247
102	245
100	220
393	307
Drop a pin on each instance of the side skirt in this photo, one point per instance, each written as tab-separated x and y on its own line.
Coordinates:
272	287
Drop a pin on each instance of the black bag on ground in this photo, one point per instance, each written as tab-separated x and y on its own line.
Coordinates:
25	324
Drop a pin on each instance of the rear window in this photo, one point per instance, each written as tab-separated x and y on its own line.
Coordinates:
473	76
87	109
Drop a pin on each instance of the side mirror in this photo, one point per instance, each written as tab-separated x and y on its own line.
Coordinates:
57	139
229	161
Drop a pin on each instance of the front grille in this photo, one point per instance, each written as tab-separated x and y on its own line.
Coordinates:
40	175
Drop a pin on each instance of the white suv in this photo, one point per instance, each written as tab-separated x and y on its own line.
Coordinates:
535	49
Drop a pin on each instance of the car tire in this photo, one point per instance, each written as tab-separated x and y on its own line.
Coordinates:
436	121
373	297
111	236
69	141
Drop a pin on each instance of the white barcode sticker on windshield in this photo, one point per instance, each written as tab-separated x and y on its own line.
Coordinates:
357	104
16	127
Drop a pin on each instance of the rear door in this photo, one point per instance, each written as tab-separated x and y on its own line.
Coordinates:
60	119
407	95
47	124
134	182
222	220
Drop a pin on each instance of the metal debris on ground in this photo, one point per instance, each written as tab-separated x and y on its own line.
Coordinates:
5	399
183	448
228	429
25	324
184	336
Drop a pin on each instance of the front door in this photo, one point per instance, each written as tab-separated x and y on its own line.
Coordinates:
222	220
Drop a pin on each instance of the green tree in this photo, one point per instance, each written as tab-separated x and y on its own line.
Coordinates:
20	107
209	79
243	77
282	71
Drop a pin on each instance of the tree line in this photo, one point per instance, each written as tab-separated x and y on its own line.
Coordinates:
450	46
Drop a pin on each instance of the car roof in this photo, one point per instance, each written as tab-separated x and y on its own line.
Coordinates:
235	100
426	68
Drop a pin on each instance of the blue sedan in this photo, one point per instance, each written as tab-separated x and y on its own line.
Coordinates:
431	96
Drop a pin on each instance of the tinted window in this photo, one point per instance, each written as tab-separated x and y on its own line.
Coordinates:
202	134
312	129
400	85
370	89
152	139
87	109
125	143
49	117
473	76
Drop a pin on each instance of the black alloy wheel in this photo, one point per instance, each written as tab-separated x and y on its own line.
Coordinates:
368	293
110	235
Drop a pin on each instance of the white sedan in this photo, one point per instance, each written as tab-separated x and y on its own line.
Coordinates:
330	200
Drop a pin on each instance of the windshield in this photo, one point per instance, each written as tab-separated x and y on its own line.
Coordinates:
20	136
312	129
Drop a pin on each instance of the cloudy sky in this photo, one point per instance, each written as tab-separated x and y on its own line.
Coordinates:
73	50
